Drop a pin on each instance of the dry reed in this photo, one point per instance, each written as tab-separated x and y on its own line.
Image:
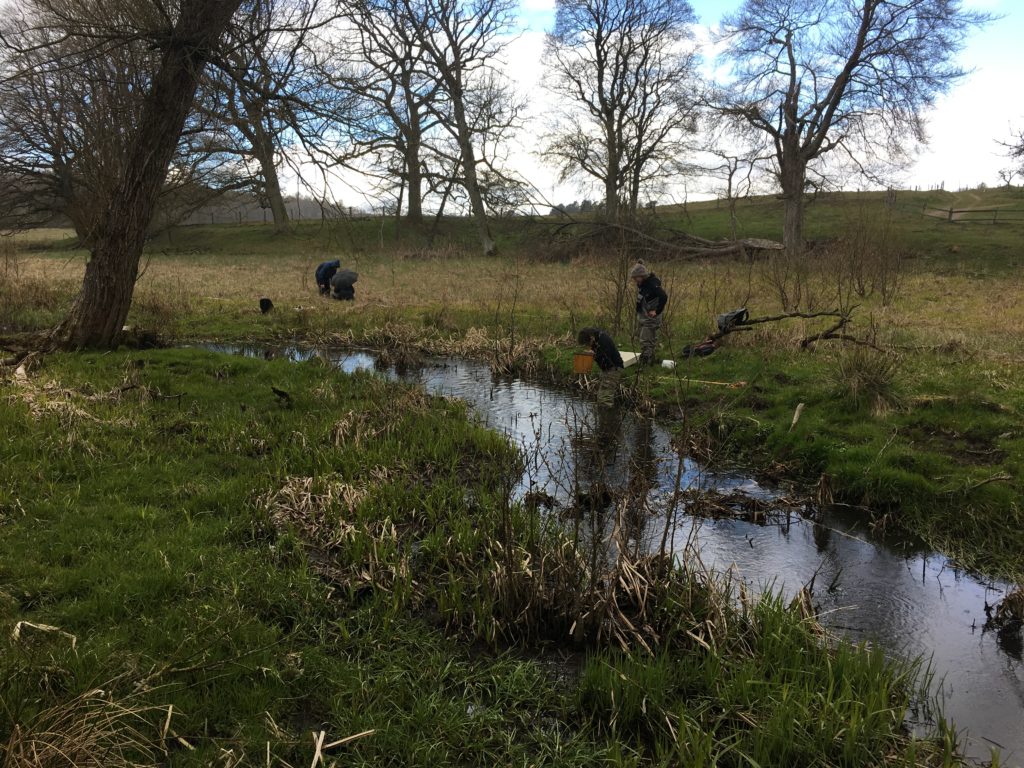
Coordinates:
91	729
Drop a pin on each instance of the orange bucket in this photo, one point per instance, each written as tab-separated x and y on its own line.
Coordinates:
582	362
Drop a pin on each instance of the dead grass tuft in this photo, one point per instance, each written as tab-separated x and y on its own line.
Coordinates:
50	398
867	377
1011	608
89	730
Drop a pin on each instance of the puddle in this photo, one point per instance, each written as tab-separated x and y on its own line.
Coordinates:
905	600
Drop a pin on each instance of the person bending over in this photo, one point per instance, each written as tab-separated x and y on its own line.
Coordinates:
323	275
608	360
342	285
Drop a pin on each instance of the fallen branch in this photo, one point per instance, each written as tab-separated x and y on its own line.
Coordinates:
692	246
744	325
833	332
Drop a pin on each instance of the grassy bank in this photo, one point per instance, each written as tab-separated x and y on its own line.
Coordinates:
927	436
206	559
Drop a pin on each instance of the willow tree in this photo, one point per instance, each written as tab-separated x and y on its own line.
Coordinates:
846	78
186	34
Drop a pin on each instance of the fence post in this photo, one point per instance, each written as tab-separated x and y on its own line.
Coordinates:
950	217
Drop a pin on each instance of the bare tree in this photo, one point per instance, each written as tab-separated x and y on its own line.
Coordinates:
1014	151
736	158
843	77
263	91
65	108
397	100
624	75
462	39
185	35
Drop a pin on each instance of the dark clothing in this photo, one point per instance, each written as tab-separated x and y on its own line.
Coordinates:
606	355
342	285
650	296
325	272
700	349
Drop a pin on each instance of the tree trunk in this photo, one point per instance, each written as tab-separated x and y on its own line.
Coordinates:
611	177
263	150
98	314
413	171
792	177
471	184
414	205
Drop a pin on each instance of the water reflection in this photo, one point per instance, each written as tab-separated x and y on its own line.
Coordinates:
895	594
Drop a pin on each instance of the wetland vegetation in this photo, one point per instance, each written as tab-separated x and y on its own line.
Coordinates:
201	569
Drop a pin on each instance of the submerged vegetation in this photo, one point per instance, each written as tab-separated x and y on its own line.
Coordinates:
206	558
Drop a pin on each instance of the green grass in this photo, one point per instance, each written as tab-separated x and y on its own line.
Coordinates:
257	568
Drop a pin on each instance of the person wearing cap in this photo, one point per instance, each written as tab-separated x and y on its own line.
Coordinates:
608	360
650	303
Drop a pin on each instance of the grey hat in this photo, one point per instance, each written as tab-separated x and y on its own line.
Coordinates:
639	270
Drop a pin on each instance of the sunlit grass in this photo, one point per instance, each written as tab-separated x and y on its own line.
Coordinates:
242	574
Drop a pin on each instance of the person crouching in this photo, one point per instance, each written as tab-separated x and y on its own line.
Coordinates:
342	285
608	360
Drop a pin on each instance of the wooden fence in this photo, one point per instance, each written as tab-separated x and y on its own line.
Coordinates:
974	215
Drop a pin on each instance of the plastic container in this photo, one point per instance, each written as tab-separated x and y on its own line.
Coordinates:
582	362
670	364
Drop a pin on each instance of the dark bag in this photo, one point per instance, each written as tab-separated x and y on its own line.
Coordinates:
700	349
729	319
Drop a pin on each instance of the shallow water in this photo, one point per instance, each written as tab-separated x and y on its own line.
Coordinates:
904	599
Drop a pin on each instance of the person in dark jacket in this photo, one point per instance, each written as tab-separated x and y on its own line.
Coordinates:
608	360
343	285
324	273
650	303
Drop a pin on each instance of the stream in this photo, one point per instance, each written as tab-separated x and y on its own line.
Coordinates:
903	598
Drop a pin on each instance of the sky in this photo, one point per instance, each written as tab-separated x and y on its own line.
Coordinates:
964	128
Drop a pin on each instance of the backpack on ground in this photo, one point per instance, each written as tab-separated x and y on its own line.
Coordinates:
728	320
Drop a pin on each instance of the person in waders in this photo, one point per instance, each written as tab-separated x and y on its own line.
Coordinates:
650	303
608	360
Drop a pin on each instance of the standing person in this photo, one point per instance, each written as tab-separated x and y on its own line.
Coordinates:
650	303
608	360
324	273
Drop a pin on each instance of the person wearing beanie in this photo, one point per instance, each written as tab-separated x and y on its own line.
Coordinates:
650	303
608	360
